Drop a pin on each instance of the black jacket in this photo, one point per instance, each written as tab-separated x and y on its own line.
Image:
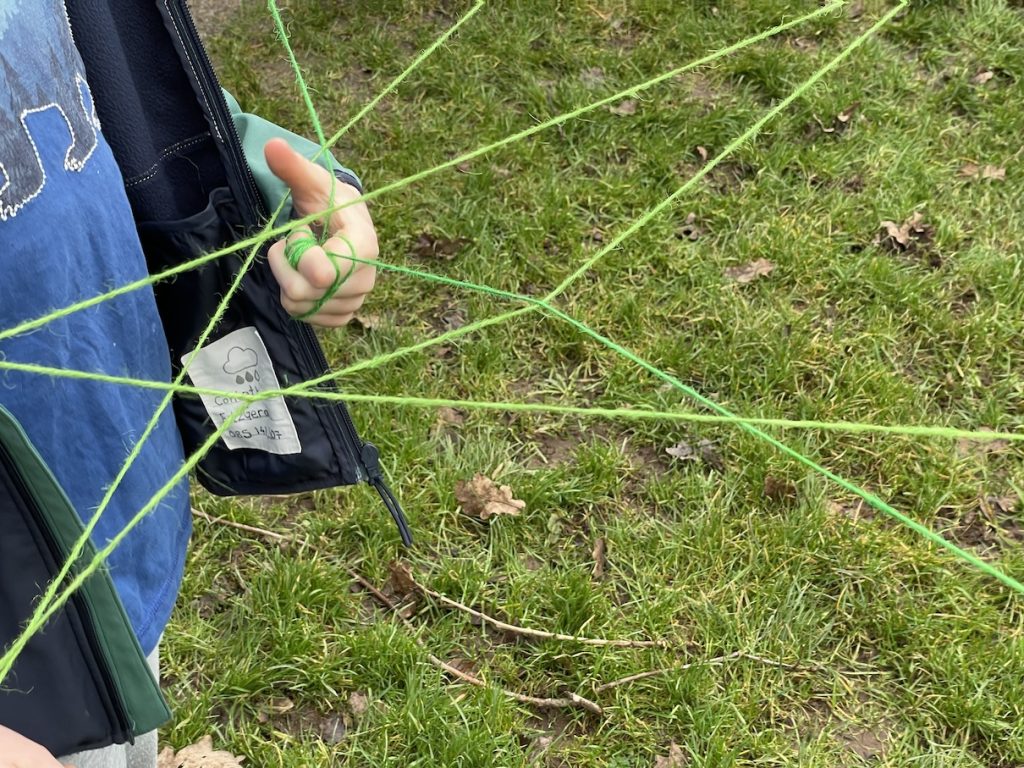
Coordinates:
81	683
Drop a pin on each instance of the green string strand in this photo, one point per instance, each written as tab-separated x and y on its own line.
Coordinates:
44	611
852	427
872	499
34	624
627	414
282	35
285	229
294	251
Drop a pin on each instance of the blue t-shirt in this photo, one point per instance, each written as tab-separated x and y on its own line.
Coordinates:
67	234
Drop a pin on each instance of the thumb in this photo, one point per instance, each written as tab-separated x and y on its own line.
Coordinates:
308	181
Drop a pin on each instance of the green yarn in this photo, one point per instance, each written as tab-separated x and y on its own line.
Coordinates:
626	414
297	247
285	229
51	601
54	596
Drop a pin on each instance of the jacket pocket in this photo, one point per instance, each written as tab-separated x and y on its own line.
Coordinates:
82	682
279	445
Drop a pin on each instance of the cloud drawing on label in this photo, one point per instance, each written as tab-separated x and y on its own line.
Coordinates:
240	358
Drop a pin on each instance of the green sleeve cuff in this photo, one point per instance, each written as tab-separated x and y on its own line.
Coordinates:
254	132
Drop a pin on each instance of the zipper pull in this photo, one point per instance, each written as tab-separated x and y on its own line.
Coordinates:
371	460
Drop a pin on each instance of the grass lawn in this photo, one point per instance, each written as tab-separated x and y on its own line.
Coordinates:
888	651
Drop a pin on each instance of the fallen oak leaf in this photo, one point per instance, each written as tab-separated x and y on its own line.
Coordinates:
482	498
198	755
746	273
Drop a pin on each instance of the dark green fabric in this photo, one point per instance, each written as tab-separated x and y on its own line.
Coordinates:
136	688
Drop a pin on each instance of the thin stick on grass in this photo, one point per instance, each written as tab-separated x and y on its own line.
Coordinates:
242	526
718	660
537	633
570	700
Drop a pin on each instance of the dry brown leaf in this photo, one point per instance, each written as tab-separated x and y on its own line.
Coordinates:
199	755
985	173
592	77
358	704
447	419
429	246
746	273
624	109
854	511
676	758
446	415
682	451
483	499
599	557
995	507
965	447
993	173
401	580
907	236
969	171
777	489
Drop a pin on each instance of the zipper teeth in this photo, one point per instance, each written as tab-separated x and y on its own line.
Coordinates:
120	710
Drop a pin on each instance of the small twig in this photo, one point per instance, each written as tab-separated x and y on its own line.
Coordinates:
571	700
680	667
538	633
241	526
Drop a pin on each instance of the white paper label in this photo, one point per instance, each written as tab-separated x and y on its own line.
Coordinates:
239	363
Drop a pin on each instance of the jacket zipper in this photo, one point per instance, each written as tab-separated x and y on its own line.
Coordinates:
120	710
366	457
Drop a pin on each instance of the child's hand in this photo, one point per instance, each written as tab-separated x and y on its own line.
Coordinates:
300	289
18	752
